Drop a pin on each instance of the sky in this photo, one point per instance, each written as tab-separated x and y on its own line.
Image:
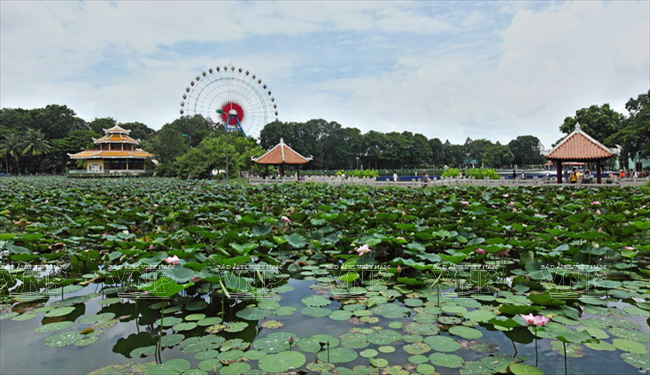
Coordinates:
445	69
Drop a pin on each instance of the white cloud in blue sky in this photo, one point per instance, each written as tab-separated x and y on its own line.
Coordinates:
446	69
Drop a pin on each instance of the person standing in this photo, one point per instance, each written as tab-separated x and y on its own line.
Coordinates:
395	177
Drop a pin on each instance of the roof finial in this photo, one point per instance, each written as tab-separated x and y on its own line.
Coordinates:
281	140
577	126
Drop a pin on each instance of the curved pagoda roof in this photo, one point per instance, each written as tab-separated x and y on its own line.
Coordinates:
116	134
111	154
281	154
579	146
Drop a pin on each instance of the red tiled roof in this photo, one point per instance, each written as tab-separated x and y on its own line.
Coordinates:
281	154
114	154
579	146
116	138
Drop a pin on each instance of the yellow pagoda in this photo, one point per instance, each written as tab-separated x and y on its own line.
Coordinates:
116	152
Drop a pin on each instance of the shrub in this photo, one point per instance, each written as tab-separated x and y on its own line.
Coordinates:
481	173
359	173
451	172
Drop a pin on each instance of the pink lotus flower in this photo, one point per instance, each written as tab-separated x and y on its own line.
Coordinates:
514	209
156	205
196	279
505	195
104	234
285	219
464	203
363	250
511	204
401	238
598	212
399	269
172	260
480	251
629	248
146	293
595	203
47	201
538	320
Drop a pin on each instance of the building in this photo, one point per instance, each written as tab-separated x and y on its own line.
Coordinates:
579	147
282	155
116	152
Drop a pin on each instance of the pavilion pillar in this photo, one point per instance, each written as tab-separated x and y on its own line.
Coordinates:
598	179
282	170
298	171
127	164
559	171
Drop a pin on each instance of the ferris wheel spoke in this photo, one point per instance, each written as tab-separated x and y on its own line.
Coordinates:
229	88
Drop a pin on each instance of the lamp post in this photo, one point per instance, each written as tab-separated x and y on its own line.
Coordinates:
225	126
357	163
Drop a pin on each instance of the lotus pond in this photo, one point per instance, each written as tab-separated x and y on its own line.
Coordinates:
161	276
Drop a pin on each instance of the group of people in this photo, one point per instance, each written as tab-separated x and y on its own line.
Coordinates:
576	176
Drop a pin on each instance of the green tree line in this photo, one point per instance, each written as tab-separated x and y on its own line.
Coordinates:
37	141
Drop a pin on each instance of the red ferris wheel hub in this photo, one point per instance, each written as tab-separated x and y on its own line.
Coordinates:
227	109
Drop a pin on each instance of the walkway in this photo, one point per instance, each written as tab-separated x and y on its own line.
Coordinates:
625	182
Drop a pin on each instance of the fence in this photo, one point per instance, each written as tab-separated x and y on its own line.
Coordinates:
535	181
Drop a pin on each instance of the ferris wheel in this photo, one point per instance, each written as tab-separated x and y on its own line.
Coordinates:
232	96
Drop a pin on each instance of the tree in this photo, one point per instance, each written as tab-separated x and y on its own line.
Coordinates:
168	144
634	135
199	162
138	130
474	150
35	143
12	146
600	122
437	151
498	156
454	155
99	124
56	121
527	150
77	140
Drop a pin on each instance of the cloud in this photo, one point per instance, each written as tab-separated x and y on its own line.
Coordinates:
445	69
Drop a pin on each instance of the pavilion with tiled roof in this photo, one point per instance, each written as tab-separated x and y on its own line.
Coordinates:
581	147
116	152
282	155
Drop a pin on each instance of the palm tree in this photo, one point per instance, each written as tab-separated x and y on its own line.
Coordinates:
35	144
11	145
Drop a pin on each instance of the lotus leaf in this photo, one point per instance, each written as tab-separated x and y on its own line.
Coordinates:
466	332
316	301
524	369
253	313
316	312
353	340
572	350
284	361
316	343
442	343
446	360
630	346
417	348
52	327
236	368
640	361
338	355
384	337
274	342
